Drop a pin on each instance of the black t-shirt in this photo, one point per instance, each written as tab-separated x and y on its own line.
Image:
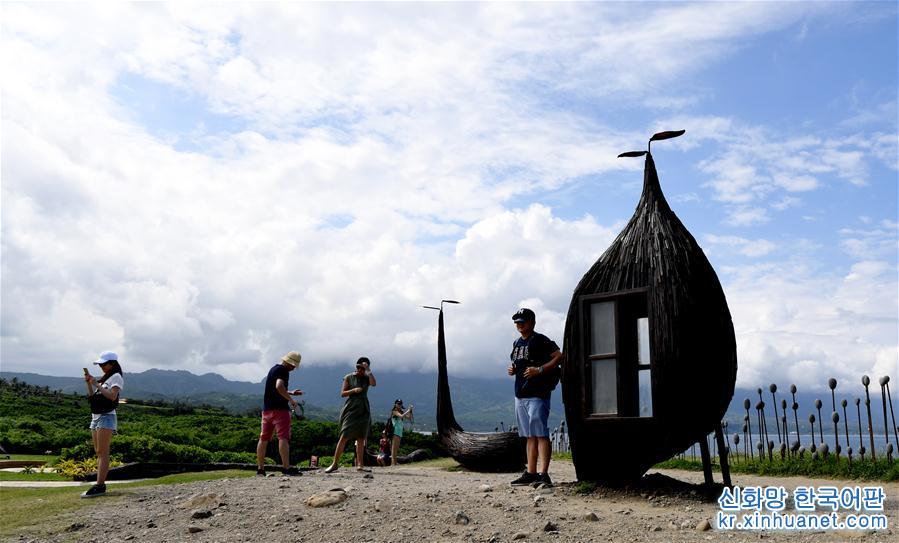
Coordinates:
533	351
273	400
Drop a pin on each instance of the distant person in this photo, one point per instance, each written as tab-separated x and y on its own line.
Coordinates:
535	361
355	417
383	449
277	404
397	417
103	394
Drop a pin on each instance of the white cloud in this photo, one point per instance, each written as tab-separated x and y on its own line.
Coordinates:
871	243
377	158
747	247
796	183
785	203
793	325
747	216
755	169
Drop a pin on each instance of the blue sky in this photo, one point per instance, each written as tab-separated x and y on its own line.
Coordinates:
205	189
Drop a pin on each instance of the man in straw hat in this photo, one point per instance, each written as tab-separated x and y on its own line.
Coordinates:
276	412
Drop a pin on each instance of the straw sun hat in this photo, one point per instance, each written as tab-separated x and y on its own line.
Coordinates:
293	358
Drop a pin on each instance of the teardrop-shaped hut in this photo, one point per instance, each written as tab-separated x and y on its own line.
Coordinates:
492	452
650	351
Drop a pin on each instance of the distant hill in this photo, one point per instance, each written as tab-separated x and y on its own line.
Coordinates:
479	404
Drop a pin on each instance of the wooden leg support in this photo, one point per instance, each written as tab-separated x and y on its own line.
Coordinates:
706	461
722	455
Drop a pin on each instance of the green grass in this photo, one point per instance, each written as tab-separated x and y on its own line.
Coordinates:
36	476
443	463
34	509
832	468
41	510
181	478
585	487
48	458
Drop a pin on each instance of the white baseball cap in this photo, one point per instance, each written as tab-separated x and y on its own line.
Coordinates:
106	356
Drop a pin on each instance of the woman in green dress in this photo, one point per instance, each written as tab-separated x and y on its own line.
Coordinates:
355	417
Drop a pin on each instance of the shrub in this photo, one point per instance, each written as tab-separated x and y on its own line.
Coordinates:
77	469
234	457
142	449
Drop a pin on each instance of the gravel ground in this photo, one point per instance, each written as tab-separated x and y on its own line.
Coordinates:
413	504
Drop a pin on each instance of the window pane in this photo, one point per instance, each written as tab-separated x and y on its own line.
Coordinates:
605	386
643	341
645	392
602	328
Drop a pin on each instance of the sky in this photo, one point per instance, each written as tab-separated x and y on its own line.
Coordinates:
208	186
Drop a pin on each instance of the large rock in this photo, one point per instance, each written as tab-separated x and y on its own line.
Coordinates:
324	499
202	500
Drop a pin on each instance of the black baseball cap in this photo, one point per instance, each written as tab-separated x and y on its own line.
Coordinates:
524	315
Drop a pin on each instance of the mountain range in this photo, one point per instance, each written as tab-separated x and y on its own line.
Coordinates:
480	404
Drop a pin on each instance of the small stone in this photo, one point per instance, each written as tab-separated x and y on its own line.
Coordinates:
538	500
151	524
283	486
194	529
130	537
591	517
656	529
461	518
75	526
704	526
550	526
485	488
519	535
201	513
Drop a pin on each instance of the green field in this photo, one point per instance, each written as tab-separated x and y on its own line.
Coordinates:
34	420
35	476
48	458
832	468
28	510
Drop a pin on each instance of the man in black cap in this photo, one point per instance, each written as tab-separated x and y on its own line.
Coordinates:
535	365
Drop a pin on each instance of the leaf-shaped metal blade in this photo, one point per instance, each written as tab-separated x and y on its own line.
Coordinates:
667	135
631	154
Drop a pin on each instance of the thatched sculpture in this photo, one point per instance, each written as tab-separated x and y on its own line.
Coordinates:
650	351
498	451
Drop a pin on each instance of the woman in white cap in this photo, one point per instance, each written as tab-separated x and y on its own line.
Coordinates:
103	394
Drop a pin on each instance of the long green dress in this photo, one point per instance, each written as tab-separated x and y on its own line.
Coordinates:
355	417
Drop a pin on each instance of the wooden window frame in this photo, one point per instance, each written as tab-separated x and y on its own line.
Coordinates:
632	363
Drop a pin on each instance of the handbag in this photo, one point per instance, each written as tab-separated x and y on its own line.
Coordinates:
101	404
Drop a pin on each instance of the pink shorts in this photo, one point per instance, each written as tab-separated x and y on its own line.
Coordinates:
277	420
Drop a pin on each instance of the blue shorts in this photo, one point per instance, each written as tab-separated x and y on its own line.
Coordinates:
105	421
533	417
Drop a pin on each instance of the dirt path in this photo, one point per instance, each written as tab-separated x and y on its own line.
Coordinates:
414	504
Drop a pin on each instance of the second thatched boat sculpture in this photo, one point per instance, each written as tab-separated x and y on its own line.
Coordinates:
651	357
497	451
